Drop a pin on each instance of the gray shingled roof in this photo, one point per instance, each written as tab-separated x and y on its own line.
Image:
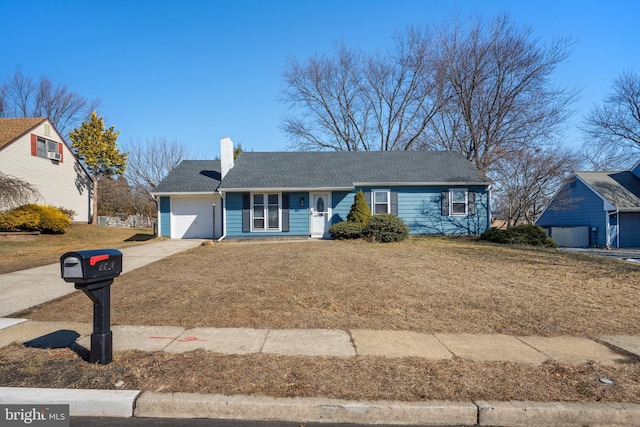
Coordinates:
333	170
621	189
191	176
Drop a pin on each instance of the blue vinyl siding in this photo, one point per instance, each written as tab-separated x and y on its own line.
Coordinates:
341	202
298	217
233	214
165	216
576	205
419	207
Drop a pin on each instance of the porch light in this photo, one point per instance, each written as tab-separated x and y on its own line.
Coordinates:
302	202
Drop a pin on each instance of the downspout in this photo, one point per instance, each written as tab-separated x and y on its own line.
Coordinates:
224	217
489	207
617	228
607	229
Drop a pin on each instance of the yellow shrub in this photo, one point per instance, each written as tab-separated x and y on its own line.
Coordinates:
47	219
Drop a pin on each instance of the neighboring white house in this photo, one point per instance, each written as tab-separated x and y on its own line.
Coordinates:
32	150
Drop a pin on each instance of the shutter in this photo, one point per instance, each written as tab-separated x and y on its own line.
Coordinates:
246	213
367	198
394	203
34	145
444	204
285	212
60	150
472	203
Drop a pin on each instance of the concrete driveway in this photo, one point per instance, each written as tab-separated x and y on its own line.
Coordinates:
617	253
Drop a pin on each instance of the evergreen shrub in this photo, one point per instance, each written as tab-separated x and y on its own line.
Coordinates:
346	230
385	228
360	212
525	234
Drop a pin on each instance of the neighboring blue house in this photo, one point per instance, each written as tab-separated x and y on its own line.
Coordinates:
605	205
295	194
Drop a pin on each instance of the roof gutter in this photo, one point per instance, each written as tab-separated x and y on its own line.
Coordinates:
263	189
357	184
418	184
182	193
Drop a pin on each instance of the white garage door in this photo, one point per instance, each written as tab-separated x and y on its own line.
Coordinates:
192	218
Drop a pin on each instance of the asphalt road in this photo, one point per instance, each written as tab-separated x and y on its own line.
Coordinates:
168	422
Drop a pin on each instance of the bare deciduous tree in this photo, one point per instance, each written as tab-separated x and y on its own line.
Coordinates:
599	156
612	130
150	161
502	99
22	96
526	182
15	192
481	88
115	196
353	101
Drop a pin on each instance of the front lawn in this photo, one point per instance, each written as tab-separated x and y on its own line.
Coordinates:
423	284
48	248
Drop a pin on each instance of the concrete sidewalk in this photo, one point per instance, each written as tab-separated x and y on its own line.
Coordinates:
608	350
24	289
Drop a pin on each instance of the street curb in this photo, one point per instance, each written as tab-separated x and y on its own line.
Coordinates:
319	410
558	414
82	403
134	403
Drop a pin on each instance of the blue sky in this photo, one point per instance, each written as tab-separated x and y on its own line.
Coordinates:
198	71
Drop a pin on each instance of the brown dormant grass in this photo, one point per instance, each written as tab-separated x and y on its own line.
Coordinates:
429	285
357	378
424	284
47	248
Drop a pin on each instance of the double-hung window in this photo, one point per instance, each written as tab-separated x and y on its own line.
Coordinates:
381	201
266	211
459	202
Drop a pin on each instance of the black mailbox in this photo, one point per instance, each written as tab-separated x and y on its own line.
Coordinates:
93	272
86	267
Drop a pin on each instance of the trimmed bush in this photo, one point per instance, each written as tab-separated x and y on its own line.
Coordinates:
525	234
360	212
346	230
46	219
385	228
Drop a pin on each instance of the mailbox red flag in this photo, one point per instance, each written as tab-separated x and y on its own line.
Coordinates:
95	259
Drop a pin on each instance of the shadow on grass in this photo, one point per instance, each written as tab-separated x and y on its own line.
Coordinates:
139	237
63	338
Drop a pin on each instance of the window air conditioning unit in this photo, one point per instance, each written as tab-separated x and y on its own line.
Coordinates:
53	156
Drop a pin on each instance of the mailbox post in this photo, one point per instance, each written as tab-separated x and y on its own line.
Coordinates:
93	272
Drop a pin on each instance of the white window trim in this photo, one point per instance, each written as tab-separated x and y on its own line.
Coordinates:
466	201
373	200
266	213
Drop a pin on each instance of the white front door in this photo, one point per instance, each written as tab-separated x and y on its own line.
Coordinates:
320	214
